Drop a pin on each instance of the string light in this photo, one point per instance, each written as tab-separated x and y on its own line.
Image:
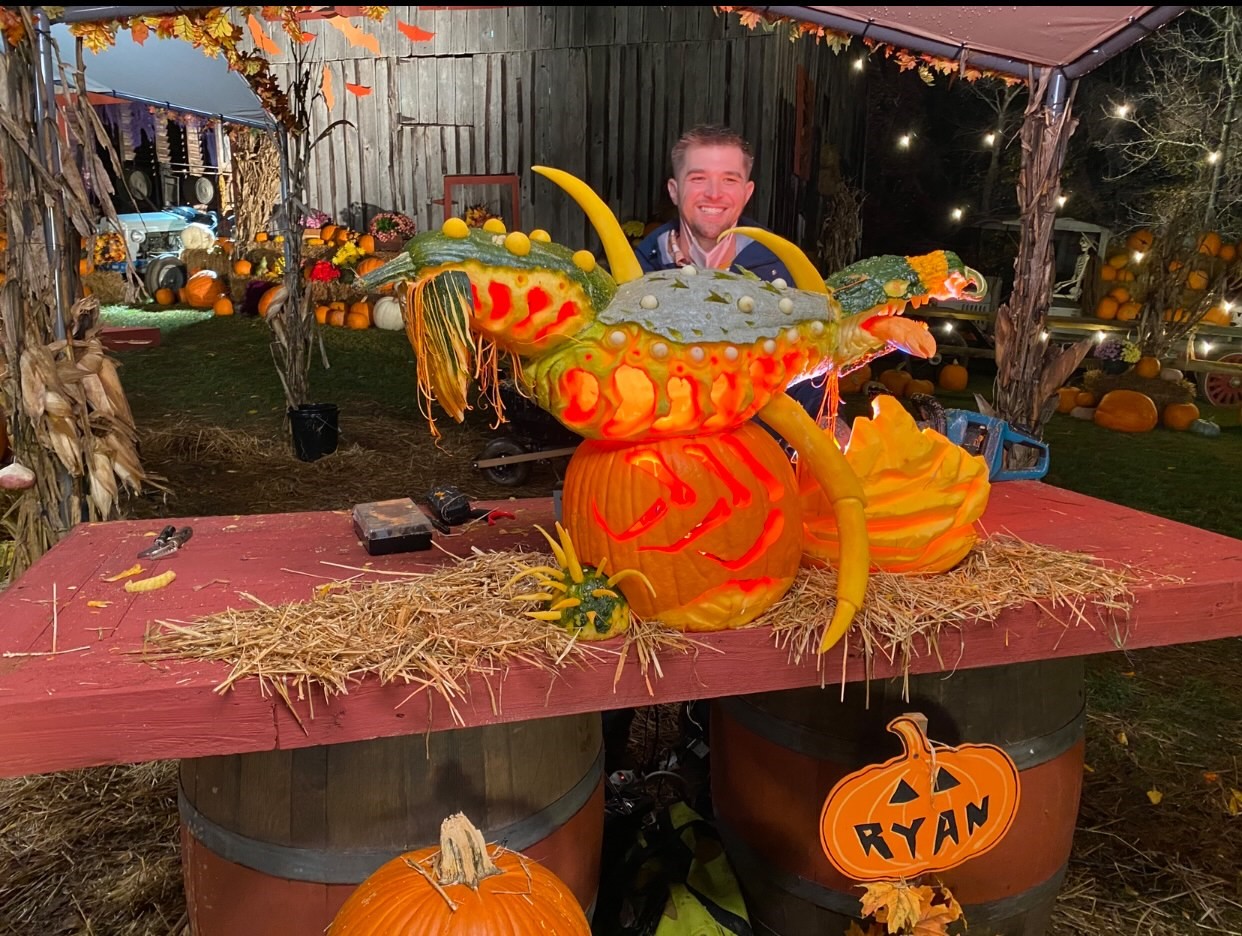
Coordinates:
1122	110
1138	256
1043	336
858	63
948	328
956	214
1099	336
1061	200
1213	157
1207	347
904	140
1226	305
989	139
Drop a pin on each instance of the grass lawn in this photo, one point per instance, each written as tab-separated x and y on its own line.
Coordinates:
1158	850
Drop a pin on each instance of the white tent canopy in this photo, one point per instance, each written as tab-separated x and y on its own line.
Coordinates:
168	73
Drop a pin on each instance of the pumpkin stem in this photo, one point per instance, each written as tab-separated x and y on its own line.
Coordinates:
463	854
912	729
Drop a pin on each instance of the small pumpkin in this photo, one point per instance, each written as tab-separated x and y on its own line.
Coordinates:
895	380
367	264
1107	308
1067	399
1141	240
1196	279
272	300
164	296
327	232
953	377
915	387
1209	244
854	381
223	306
359	315
387	314
1126	411
321	314
1217	316
336	315
1084	398
461	888
366	243
1148	367
1129	311
261	237
242	267
971	789
1179	416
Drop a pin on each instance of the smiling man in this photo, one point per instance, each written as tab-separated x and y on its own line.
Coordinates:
711	185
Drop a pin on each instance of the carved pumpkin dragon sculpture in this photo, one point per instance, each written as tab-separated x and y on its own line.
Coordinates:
628	357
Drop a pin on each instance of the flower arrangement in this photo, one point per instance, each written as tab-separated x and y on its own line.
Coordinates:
392	225
348	255
324	272
1122	351
314	220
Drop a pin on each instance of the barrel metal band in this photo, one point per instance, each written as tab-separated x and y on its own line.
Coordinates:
1025	753
747	862
355	865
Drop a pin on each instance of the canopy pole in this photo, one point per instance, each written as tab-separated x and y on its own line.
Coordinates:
48	142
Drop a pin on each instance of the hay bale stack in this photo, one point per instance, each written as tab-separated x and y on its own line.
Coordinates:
199	259
108	286
1161	392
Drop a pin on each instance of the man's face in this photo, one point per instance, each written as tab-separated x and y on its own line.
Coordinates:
711	190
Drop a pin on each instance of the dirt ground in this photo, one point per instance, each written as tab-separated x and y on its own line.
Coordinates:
1158	851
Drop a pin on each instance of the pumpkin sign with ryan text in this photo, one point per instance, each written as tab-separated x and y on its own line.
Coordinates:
929	809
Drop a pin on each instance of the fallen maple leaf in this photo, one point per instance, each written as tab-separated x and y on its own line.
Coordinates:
98	604
1210	776
1122	739
1155	796
1233	803
895	903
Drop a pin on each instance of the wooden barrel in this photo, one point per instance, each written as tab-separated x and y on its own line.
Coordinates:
775	756
273	843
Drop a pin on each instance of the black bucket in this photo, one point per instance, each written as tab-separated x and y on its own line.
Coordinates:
314	430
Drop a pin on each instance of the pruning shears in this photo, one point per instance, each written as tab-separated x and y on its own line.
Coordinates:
169	540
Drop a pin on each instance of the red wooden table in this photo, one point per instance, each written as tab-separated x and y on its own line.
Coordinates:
97	701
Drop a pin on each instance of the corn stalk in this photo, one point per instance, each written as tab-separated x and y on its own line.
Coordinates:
255	180
1029	369
67	415
293	323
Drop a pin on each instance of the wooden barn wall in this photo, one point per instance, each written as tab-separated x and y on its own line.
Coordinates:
602	93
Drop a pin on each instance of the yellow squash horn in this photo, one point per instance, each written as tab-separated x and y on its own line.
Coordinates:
804	273
621	259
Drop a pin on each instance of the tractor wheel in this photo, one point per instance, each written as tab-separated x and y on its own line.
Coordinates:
513	475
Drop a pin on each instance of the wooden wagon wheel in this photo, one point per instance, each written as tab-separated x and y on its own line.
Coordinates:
1223	389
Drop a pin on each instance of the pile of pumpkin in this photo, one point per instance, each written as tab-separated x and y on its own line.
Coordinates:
1122	298
901	383
384	313
1132	410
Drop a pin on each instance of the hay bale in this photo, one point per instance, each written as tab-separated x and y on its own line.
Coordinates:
1161	392
108	286
215	260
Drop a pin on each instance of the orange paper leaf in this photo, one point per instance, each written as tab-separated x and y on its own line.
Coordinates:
354	35
260	36
328	97
413	33
358	89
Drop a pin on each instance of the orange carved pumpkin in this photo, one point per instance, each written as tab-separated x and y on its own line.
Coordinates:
461	889
923	495
923	811
713	521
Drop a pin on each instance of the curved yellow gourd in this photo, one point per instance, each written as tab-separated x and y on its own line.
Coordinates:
800	267
818	451
622	262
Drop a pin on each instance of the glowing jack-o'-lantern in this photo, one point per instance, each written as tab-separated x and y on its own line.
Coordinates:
713	521
923	495
926	810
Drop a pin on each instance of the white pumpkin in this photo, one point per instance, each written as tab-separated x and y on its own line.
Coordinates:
387	314
1171	373
198	237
